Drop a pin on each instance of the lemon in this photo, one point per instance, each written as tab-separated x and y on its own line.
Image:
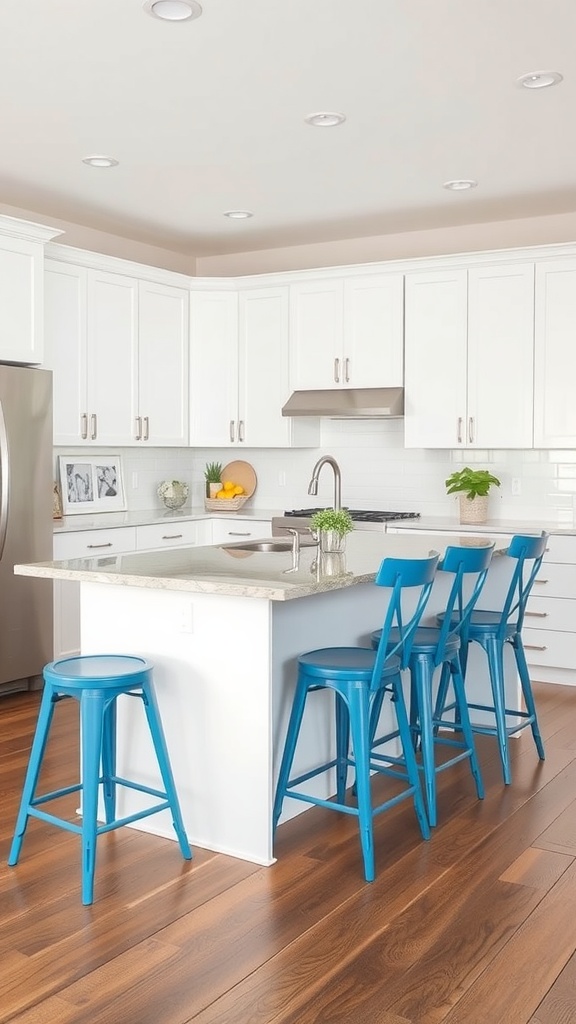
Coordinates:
228	485
238	489
221	494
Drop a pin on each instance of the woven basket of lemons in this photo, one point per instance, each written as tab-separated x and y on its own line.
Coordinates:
238	484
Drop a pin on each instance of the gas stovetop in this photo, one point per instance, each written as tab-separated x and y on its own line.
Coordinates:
364	519
358	515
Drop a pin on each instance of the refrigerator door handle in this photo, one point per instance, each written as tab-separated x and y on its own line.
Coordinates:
4	480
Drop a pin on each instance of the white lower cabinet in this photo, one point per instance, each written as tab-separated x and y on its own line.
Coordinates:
240	529
173	534
549	633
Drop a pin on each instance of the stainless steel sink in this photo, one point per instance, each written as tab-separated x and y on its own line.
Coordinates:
260	545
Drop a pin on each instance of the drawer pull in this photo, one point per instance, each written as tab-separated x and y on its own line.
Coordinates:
108	545
538	615
459	431
347	370
146	429
172	536
93	427
232	422
235	533
541	581
336	371
138	432
84	428
535	647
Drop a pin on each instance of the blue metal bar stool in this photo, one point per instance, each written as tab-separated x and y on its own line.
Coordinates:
492	630
356	675
439	646
96	681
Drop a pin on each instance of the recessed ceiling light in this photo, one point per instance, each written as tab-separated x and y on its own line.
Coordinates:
460	184
539	79
238	214
325	119
173	10
100	161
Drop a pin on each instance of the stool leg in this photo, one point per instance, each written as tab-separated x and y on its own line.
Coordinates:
528	695
464	718
360	734
342	746
109	759
495	652
92	706
158	738
48	702
294	724
399	706
421	688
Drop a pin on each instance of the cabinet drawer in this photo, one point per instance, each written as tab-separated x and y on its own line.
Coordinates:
551	613
240	529
555	580
546	647
168	535
561	549
88	543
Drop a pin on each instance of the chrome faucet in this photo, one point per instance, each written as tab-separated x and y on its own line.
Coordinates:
313	485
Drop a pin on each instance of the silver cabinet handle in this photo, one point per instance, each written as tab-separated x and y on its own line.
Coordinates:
138	422
347	370
471	429
537	615
336	371
236	533
93	427
541	581
84	426
459	434
146	429
108	545
172	536
231	430
240	430
535	647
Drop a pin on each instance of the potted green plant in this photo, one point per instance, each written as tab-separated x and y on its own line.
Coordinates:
472	487
213	476
331	525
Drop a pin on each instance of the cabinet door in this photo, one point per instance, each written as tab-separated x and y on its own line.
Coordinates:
435	359
316	335
373	331
500	356
214	368
263	368
65	323
112	358
163	364
21	290
555	343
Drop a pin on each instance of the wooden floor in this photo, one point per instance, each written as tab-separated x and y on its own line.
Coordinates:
478	926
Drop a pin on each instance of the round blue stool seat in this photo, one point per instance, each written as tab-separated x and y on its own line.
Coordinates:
96	681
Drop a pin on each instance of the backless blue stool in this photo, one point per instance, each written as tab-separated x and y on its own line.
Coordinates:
96	681
357	675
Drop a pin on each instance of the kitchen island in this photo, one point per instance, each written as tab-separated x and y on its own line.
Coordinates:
223	627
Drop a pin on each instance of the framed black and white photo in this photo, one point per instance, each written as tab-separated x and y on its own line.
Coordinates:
91	483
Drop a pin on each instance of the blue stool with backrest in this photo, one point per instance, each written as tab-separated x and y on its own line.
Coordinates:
492	630
96	681
439	646
357	675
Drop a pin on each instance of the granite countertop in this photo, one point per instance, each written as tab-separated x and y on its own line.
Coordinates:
113	520
227	569
429	523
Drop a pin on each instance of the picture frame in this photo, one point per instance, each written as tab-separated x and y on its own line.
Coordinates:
91	483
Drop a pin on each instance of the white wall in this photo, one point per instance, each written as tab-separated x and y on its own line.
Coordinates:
377	472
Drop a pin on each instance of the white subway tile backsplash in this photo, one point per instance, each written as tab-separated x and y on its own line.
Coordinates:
377	472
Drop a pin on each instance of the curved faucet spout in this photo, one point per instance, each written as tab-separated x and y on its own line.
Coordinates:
313	485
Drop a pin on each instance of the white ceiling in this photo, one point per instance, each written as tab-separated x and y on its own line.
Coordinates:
208	115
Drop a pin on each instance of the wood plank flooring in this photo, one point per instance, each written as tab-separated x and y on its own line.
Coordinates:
478	926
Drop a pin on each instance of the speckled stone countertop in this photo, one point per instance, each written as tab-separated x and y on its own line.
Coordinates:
112	520
429	523
227	569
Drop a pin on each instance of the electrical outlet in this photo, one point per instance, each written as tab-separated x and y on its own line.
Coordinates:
282	479
516	486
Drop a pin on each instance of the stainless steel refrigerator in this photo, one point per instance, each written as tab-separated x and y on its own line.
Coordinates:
26	486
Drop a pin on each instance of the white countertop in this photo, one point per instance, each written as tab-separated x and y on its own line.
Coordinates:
429	523
112	520
227	570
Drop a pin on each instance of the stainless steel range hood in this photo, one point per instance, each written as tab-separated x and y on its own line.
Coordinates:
347	403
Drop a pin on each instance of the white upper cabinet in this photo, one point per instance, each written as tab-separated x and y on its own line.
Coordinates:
346	332
239	371
118	348
469	341
555	343
21	290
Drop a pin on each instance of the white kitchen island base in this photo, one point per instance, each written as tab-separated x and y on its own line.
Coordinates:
224	673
